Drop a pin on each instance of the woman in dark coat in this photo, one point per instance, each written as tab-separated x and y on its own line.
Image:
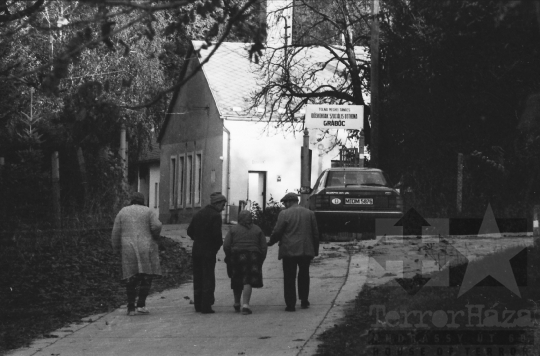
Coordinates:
245	248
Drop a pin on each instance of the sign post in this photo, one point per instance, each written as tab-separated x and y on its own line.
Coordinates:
305	171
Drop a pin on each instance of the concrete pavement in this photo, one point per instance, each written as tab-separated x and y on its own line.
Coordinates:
174	328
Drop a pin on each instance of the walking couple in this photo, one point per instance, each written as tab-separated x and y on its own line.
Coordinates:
245	249
137	229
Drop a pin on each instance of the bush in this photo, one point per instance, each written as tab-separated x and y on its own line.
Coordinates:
49	281
266	219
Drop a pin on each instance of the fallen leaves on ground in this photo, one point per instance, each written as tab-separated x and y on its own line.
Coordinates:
51	281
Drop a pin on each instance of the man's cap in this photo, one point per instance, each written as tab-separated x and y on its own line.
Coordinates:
289	196
217	197
137	198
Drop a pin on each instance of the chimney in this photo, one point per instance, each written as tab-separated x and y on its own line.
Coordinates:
279	17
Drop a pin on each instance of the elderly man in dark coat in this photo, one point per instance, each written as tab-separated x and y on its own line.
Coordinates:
205	231
135	231
298	236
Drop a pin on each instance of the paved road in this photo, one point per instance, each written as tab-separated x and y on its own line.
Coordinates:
173	327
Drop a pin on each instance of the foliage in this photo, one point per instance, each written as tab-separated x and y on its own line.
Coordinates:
73	73
24	190
455	76
266	219
51	281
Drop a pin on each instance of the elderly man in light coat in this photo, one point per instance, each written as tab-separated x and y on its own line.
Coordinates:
298	236
135	231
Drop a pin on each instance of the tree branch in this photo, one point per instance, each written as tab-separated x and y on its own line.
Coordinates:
23	13
224	35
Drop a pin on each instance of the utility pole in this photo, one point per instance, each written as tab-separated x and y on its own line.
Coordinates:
305	171
374	116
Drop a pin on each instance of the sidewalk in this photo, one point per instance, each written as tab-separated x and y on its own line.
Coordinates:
174	328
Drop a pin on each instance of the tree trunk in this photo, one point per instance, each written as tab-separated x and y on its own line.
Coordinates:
56	189
82	171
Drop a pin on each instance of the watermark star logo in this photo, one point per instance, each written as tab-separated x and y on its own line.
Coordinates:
498	268
412	248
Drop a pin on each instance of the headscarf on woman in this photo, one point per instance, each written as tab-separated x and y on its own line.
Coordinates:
245	218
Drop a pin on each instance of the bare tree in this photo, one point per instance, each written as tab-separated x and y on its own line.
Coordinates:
325	62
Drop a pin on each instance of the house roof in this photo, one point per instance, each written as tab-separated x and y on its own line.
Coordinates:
231	75
150	155
233	78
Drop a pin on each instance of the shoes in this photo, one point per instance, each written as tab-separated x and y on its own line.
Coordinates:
207	311
246	311
290	309
131	313
236	307
305	304
142	310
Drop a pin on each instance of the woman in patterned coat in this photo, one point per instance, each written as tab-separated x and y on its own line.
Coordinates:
135	231
245	248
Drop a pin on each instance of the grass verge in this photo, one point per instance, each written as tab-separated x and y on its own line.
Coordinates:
386	320
50	281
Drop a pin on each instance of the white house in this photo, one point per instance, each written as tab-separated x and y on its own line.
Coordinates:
212	140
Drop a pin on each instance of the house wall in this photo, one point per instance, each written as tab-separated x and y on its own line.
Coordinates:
194	126
154	178
147	185
143	185
272	151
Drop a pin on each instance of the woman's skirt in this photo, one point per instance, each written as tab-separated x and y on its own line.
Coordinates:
246	269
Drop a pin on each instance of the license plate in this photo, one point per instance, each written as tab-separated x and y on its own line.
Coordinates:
359	201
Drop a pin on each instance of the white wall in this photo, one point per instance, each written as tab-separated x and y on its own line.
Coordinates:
142	186
275	152
154	178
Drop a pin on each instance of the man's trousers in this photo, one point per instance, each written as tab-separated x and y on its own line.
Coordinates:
290	265
204	280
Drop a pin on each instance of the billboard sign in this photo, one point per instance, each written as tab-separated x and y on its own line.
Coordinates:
349	117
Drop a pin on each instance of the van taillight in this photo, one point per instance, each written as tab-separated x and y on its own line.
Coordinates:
396	201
